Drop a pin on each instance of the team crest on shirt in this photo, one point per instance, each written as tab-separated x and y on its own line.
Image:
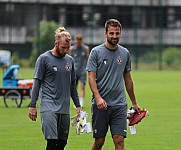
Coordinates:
119	60
68	67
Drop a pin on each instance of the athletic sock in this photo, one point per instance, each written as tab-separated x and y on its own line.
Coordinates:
81	100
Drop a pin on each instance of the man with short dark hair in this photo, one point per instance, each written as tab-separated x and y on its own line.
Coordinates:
109	67
80	52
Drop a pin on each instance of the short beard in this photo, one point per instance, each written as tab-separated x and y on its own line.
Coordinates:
59	54
111	43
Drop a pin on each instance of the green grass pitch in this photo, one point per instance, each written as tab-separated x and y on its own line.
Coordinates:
157	91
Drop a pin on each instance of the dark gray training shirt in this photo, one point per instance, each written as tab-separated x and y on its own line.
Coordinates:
80	58
57	78
110	66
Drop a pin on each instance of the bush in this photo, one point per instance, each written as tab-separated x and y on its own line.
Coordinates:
172	57
24	63
15	58
149	57
33	57
46	38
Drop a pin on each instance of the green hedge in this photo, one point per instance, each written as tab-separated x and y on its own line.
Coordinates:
172	57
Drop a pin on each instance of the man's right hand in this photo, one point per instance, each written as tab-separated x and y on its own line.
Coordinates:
101	103
32	113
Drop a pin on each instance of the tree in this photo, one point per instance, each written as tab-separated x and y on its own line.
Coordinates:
44	40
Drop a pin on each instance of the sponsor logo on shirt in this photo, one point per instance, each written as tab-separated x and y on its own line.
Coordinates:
55	68
105	61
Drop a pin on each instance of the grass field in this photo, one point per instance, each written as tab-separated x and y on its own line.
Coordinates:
159	92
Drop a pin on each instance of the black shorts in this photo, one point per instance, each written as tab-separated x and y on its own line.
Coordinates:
114	117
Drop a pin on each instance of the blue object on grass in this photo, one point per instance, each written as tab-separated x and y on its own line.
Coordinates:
9	78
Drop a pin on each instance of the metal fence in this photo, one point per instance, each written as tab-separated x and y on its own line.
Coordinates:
148	26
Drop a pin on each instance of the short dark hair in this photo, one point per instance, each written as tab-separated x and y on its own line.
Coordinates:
112	22
79	37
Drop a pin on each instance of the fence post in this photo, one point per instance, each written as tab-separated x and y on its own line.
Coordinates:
160	44
135	28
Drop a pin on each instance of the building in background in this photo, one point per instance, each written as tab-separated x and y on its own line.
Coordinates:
146	23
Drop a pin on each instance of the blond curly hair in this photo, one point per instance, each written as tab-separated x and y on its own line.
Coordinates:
62	32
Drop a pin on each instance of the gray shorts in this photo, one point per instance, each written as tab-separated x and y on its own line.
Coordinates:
55	126
114	117
81	76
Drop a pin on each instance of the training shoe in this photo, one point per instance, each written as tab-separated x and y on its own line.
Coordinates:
137	117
